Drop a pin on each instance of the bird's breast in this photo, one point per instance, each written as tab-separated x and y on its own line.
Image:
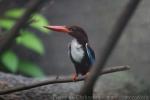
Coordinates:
77	51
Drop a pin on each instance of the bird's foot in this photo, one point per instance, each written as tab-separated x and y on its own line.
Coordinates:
74	77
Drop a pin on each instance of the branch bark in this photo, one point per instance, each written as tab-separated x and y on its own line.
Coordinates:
87	89
64	80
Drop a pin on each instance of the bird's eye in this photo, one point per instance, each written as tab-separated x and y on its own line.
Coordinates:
71	29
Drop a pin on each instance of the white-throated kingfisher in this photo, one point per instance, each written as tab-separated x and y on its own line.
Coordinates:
80	52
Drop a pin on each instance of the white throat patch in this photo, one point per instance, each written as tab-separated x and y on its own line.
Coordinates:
77	52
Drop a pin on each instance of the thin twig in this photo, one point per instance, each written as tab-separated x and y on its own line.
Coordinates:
87	89
33	6
64	80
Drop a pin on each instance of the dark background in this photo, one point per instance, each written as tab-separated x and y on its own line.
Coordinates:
97	17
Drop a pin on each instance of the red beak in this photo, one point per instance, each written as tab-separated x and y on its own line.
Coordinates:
58	28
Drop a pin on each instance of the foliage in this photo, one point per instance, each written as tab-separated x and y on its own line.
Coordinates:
10	60
30	69
27	39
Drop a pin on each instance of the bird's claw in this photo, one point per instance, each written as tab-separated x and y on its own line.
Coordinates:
74	77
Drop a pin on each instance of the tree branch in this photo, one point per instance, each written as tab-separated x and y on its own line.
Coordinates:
64	80
87	89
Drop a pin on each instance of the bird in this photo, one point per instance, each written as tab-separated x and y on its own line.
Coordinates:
79	49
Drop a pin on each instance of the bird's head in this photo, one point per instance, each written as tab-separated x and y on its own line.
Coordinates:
74	31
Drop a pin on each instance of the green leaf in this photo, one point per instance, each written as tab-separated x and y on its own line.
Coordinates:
14	13
39	22
10	60
6	23
30	41
30	69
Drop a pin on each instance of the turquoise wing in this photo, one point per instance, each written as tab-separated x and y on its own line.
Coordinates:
91	54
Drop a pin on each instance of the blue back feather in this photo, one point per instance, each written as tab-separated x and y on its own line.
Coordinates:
91	54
